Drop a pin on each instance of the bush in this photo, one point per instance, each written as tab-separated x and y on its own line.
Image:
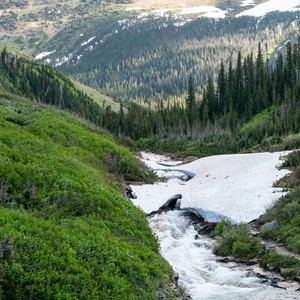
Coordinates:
287	265
236	241
220	227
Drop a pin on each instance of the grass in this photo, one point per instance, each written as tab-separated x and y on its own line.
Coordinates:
258	120
66	231
97	96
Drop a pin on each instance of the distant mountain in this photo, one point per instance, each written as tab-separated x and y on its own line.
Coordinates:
144	50
150	58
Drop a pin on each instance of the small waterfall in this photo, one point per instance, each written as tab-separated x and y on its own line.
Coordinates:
221	184
199	272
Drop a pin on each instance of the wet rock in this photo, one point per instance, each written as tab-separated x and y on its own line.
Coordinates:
225	260
129	193
206	228
194	215
172	203
274	283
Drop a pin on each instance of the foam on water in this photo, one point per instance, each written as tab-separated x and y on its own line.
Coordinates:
199	272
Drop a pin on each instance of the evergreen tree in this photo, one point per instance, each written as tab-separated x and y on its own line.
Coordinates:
191	100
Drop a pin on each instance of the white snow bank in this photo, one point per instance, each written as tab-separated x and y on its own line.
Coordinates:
204	11
237	186
269	6
207	11
133	8
247	3
88	41
44	54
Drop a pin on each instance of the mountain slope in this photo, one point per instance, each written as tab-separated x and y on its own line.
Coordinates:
66	230
149	58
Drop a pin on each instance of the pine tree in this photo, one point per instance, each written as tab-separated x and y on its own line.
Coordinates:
191	100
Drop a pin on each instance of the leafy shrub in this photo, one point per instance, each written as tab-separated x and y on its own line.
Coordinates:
236	241
220	227
287	265
292	160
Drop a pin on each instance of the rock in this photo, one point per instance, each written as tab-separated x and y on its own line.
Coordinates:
189	159
267	227
129	193
225	260
206	229
274	283
194	215
172	203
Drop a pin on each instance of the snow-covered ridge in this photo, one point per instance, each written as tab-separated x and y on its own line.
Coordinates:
88	41
271	5
247	3
238	186
44	54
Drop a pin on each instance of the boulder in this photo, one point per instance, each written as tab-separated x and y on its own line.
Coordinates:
268	227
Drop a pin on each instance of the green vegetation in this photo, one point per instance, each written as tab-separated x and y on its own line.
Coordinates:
66	231
288	266
258	120
285	215
101	99
235	240
286	212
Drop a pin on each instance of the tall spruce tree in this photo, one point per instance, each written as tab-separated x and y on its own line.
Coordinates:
191	100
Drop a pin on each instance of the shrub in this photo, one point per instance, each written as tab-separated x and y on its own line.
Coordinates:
236	241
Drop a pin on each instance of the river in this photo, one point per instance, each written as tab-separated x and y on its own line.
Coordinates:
191	255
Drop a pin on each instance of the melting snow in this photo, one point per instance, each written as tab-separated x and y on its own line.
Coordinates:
44	54
133	8
247	3
207	11
271	5
204	11
238	186
88	41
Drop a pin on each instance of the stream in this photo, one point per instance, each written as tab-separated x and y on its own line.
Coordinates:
191	255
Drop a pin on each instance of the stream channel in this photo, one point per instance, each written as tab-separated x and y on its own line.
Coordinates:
191	255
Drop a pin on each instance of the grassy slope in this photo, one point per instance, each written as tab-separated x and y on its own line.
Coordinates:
66	232
97	96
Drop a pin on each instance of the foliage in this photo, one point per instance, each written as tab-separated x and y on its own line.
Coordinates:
292	160
66	232
220	227
236	241
288	266
286	211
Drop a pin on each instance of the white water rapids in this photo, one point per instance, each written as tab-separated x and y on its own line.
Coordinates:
199	272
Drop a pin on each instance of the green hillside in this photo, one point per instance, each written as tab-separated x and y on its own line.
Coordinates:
66	230
97	96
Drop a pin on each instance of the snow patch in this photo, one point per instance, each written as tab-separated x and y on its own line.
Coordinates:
247	3
44	54
88	41
269	6
63	60
238	186
204	11
133	8
207	11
